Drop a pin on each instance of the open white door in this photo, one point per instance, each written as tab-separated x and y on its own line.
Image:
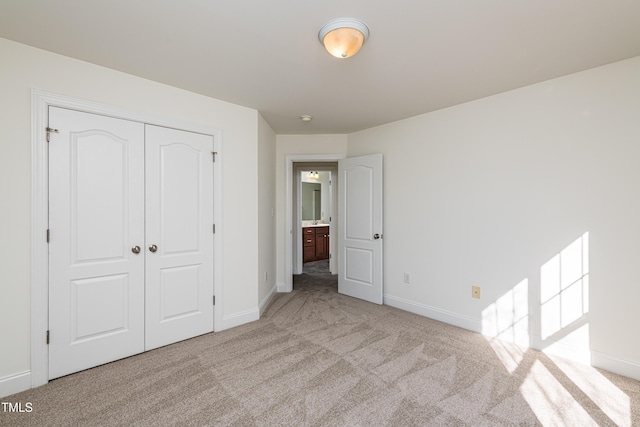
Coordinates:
360	227
179	235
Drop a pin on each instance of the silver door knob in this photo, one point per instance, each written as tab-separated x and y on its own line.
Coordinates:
153	248
135	249
376	236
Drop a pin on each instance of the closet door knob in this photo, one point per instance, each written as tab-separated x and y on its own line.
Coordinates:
153	248
135	249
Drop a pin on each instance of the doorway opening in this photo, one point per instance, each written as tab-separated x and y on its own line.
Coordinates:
358	220
294	248
314	216
314	211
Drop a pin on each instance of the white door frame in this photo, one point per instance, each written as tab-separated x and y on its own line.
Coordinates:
40	103
288	246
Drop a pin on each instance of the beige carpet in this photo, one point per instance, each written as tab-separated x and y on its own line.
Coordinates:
320	358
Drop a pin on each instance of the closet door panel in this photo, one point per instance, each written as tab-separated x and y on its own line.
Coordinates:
179	234
96	217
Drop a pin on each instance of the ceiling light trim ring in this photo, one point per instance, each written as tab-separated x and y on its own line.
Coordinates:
334	24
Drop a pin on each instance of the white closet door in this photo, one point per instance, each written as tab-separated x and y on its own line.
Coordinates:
179	235
96	217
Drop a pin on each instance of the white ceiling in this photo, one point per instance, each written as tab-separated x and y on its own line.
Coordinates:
422	55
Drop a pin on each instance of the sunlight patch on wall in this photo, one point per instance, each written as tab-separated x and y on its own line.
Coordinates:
507	320
508	317
564	287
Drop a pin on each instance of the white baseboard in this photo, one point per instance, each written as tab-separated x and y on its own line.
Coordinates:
267	299
15	383
616	365
434	313
241	318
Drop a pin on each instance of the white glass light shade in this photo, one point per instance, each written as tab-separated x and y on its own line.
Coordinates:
343	37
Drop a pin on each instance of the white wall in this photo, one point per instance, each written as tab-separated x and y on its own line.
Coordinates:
24	68
266	213
487	192
297	145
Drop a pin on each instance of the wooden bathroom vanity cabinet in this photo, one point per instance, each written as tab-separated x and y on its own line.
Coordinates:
315	243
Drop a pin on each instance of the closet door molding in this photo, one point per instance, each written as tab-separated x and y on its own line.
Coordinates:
40	103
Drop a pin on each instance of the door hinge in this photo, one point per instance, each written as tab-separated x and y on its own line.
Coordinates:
213	155
214	229
49	130
214	300
48	235
48	336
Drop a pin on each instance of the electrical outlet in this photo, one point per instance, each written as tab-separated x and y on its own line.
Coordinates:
407	278
475	292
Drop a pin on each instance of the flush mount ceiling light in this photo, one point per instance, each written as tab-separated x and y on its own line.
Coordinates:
343	37
306	118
